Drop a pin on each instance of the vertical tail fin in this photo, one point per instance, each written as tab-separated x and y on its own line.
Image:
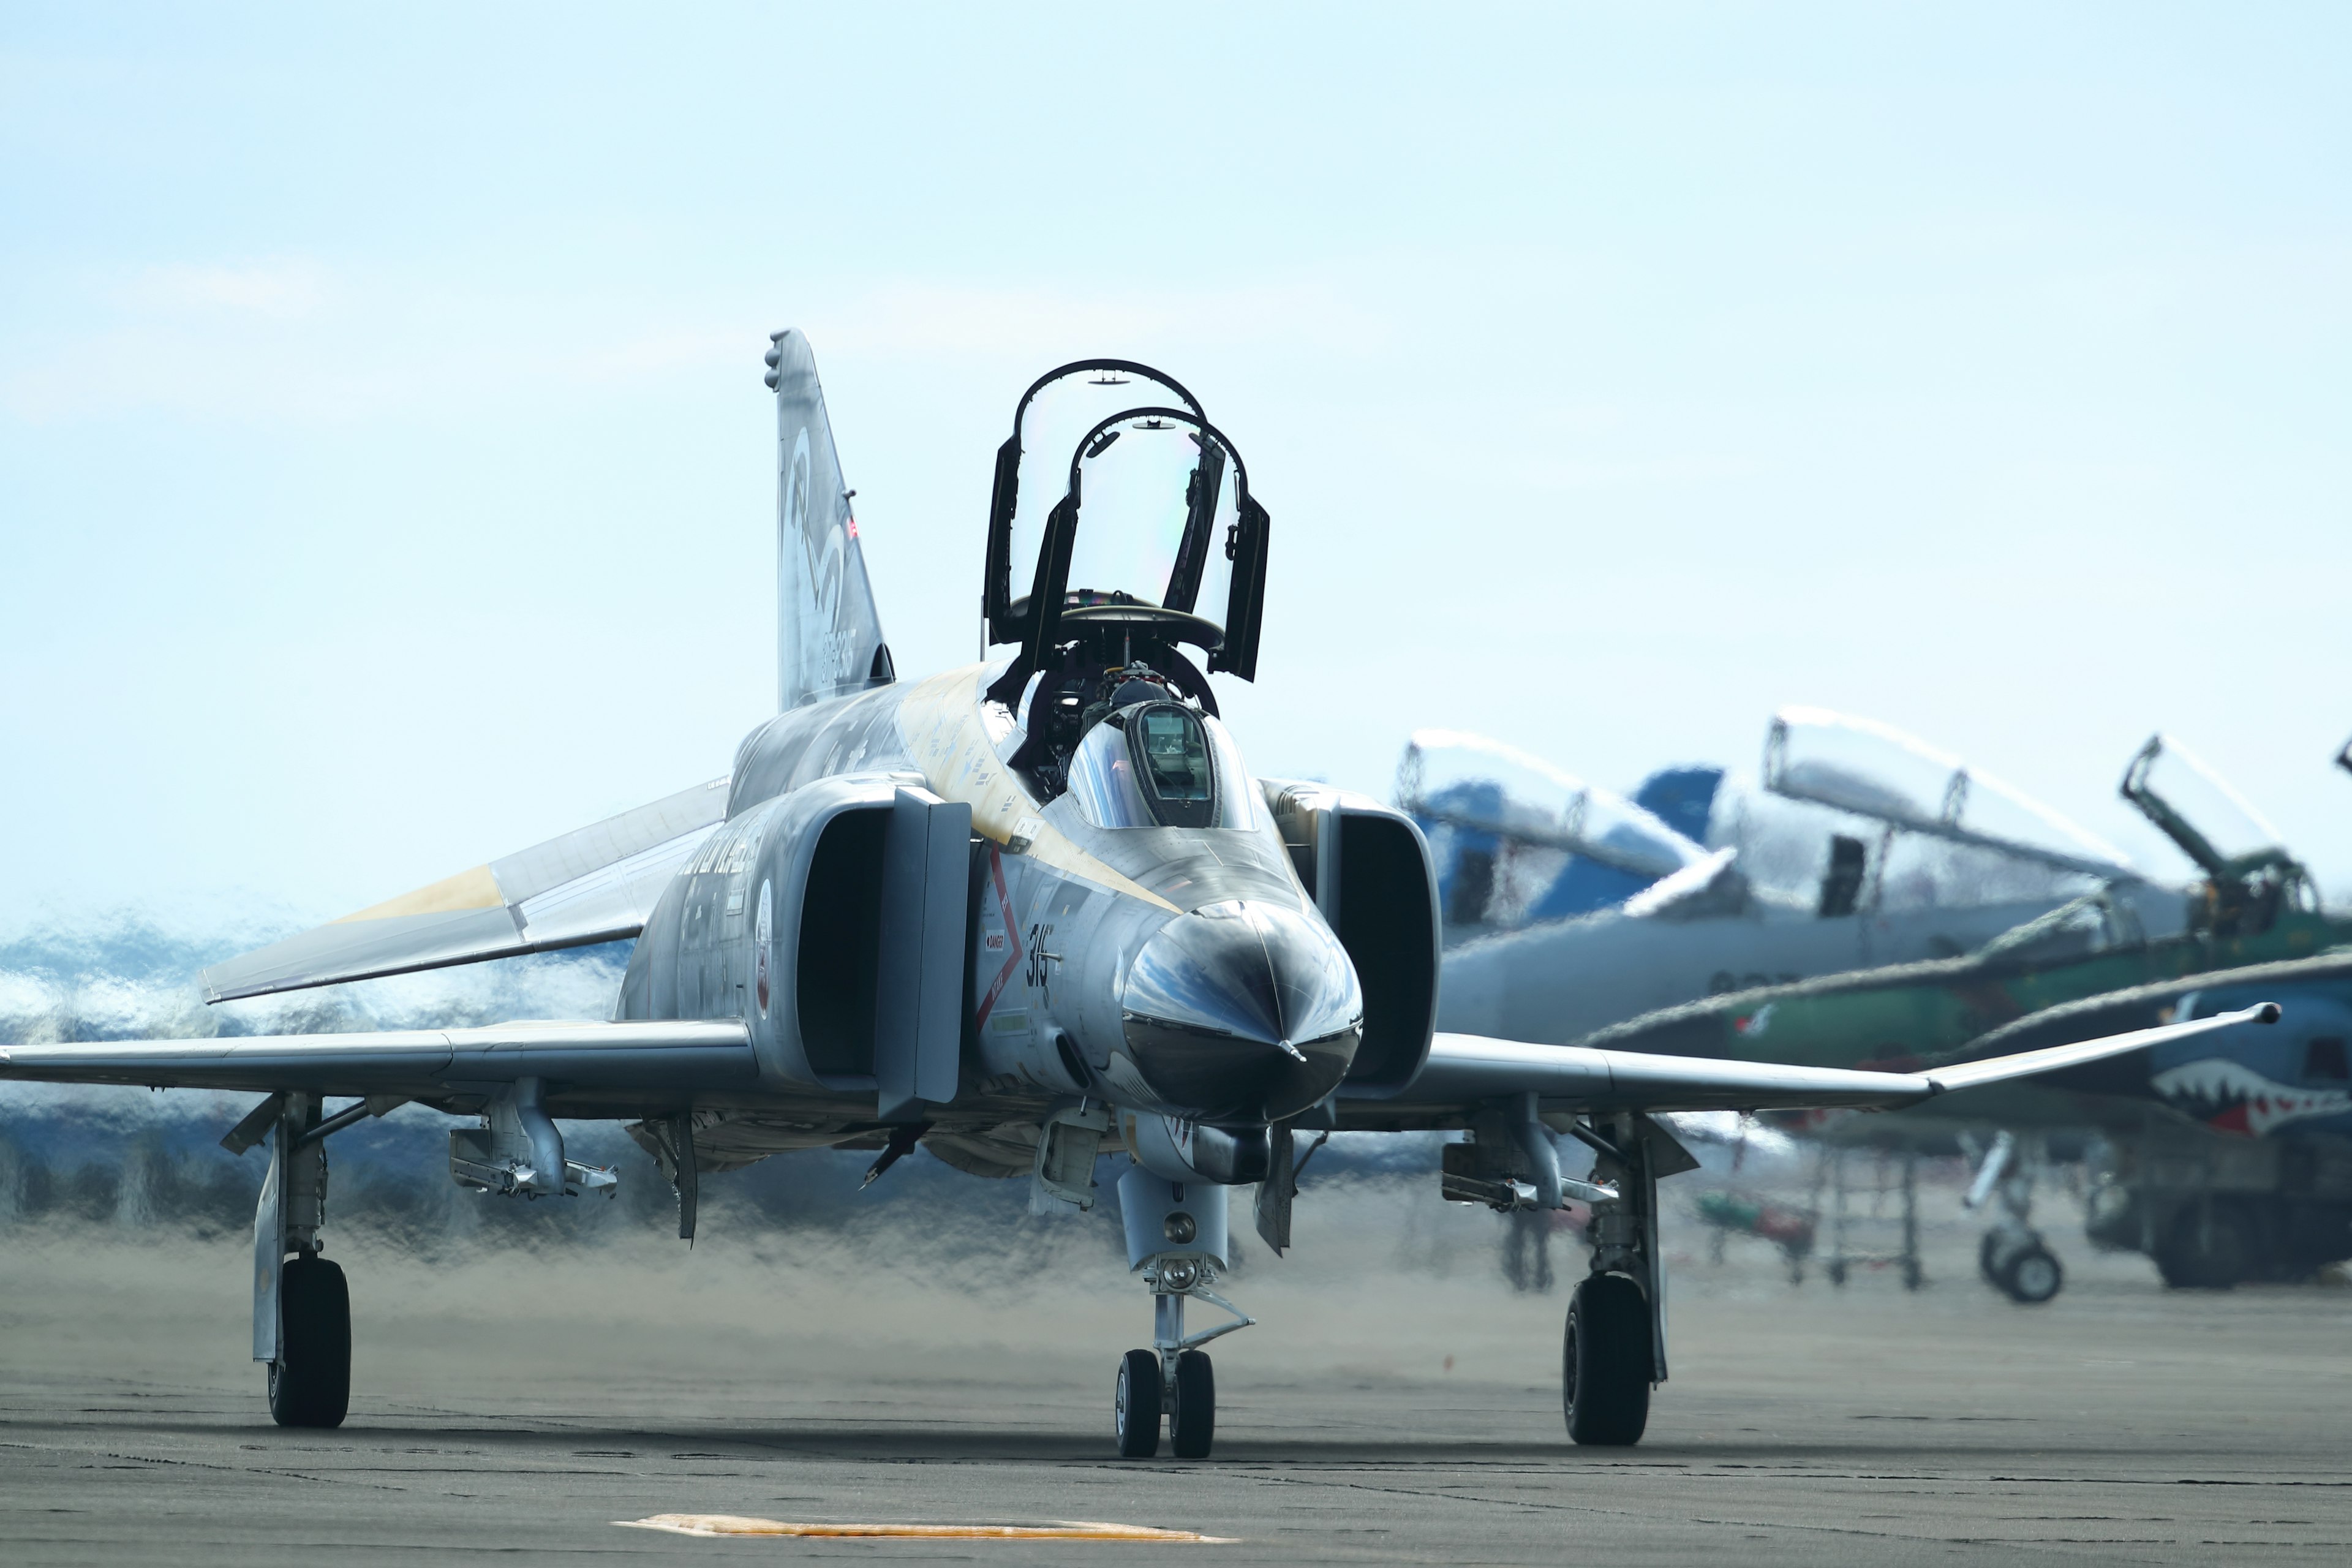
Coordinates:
828	632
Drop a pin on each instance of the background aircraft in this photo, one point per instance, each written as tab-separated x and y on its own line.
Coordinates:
2080	967
1022	913
1570	908
2233	1154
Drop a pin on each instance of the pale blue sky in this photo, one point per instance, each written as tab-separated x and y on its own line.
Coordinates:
386	482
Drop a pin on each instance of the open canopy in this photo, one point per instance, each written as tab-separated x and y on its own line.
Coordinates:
1140	519
1876	771
2198	809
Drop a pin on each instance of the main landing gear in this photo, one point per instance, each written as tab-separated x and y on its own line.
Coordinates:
1178	1244
301	1303
1613	1351
301	1306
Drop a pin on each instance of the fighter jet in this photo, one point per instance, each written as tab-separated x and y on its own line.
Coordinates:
2232	1153
2075	971
1570	909
1025	913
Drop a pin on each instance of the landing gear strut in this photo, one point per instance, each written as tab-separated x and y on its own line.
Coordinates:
301	1306
1613	1351
2012	1257
1177	1243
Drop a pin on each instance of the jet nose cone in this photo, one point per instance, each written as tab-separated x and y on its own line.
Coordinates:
1243	1011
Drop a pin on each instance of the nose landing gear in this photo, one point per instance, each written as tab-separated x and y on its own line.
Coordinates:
2013	1258
1178	1244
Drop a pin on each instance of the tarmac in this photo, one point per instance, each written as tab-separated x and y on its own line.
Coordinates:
1398	1404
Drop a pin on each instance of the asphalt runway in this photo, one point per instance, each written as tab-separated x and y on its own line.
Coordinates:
1399	1404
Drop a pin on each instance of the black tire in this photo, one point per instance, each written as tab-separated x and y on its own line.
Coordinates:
1988	1258
310	1381
1192	1421
1605	1362
2191	1255
2032	1274
1837	1271
1135	1410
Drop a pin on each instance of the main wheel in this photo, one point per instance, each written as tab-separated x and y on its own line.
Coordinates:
1988	1258
1193	1420
310	1381
2198	1251
1135	1410
2031	1275
1605	1362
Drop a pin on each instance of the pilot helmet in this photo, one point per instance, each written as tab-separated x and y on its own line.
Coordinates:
1123	689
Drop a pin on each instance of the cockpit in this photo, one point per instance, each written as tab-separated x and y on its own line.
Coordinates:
2250	877
1160	764
1147	553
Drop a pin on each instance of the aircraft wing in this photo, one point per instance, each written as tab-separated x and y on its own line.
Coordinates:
667	1058
1466	1070
2141	1005
595	884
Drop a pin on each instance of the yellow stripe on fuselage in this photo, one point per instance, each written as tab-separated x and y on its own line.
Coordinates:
941	723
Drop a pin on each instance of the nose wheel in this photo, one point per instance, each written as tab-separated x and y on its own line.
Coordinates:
1192	1417
1187	1393
1135	1407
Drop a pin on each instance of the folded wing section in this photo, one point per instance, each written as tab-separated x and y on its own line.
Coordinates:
595	884
1468	1070
661	1058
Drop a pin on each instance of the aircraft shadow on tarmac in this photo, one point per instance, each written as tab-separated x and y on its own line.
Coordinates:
1890	1444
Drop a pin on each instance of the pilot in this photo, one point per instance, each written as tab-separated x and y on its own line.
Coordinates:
1137	682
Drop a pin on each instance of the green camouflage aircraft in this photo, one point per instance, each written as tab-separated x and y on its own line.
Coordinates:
2255	905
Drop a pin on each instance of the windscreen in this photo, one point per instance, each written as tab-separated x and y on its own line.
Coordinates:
1161	765
1171	752
1876	771
1055	418
1154	493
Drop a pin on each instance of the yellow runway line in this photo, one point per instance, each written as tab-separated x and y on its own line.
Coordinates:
731	1524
